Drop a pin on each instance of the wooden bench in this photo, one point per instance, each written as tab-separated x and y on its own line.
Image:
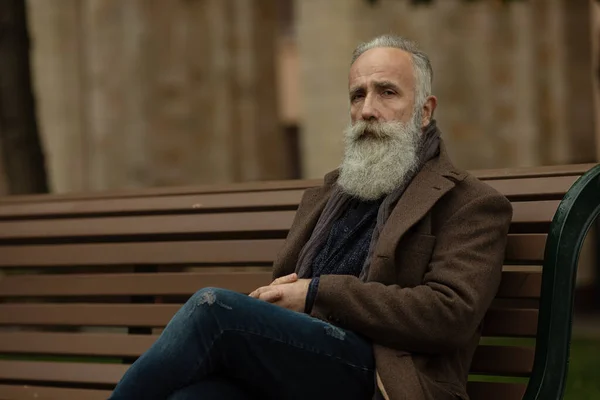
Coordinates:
88	280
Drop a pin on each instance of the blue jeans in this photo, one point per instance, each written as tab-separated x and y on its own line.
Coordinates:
226	345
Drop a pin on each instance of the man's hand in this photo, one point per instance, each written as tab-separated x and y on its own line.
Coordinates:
287	292
285	279
267	293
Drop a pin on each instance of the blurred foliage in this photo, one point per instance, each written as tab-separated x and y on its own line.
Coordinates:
583	379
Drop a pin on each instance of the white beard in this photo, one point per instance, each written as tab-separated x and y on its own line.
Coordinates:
378	157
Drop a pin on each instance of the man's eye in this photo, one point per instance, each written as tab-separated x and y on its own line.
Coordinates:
388	92
356	97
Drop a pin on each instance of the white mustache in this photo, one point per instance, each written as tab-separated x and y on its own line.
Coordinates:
378	130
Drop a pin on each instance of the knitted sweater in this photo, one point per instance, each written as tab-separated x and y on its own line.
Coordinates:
347	245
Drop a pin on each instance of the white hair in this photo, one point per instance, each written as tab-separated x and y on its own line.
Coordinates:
421	63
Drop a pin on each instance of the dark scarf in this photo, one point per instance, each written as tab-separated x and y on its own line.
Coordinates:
339	200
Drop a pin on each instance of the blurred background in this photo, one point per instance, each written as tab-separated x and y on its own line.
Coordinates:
123	94
146	93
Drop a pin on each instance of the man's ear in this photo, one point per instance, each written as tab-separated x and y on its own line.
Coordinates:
428	109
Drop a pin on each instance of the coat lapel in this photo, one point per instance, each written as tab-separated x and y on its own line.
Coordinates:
420	196
434	180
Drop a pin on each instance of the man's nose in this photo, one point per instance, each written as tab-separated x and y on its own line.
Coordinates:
369	111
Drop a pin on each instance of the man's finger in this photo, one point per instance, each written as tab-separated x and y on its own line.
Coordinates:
285	279
263	289
257	292
271	296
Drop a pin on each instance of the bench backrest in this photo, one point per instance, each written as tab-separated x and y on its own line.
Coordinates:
88	280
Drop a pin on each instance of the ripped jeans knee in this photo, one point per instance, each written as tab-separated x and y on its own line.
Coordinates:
213	296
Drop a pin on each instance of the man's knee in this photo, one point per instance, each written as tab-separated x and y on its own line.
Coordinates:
214	297
205	307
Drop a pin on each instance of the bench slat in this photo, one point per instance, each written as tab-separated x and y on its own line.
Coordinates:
150	315
499	322
534	188
552	187
45	371
514	284
495	391
154	253
518	285
27	392
518	173
503	360
511	322
89	344
520	247
255	222
534	211
525	247
185	203
244	187
183	283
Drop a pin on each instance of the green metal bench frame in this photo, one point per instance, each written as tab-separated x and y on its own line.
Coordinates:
575	215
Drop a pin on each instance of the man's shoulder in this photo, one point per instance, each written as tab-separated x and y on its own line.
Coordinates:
471	188
476	187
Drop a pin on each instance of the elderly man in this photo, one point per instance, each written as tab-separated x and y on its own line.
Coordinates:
383	281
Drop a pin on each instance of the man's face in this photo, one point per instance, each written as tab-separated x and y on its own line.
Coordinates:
382	86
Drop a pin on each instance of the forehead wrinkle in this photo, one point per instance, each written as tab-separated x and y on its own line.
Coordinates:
384	61
385	83
380	77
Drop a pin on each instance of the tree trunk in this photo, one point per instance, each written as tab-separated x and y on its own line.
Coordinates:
20	145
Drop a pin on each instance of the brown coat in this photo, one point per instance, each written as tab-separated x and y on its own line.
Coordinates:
435	271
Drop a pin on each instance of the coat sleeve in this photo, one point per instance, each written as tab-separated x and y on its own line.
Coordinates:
444	311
